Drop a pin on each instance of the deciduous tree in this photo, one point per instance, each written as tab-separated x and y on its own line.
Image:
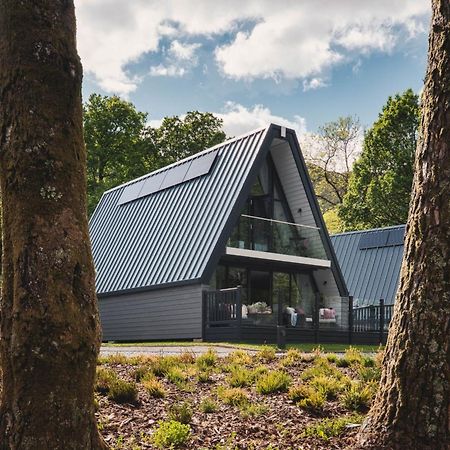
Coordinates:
49	322
179	137
330	155
412	407
114	132
380	185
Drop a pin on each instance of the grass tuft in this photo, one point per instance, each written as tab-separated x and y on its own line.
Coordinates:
328	428
154	387
273	382
233	396
181	412
208	406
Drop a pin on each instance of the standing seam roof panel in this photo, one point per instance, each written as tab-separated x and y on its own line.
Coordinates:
169	235
372	273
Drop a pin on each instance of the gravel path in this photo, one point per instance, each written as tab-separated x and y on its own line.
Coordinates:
134	350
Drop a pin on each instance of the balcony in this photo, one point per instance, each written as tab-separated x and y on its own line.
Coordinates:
263	238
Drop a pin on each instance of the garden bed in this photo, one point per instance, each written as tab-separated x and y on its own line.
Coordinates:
261	401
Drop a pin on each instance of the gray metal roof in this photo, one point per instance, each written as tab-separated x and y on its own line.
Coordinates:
170	235
370	261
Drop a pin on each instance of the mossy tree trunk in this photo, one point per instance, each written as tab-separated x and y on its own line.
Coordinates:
412	407
49	320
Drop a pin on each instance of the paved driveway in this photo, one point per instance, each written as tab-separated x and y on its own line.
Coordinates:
134	350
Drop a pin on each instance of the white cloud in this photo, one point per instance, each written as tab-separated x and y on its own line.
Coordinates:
179	60
167	71
295	40
313	83
237	119
183	51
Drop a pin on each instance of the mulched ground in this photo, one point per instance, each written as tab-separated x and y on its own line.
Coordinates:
130	426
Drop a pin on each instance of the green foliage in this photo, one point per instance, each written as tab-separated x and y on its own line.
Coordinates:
239	357
293	357
140	372
161	366
122	391
204	376
321	367
358	397
240	377
369	373
328	428
208	359
329	386
178	138
333	222
120	146
272	382
342	362
330	155
367	361
181	412
299	392
332	357
314	402
266	354
233	396
104	379
253	410
116	150
208	405
353	356
171	434
154	387
380	185
176	375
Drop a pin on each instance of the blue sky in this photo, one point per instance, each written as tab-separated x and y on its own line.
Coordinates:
303	63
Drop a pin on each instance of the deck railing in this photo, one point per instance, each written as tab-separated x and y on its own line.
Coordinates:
223	307
276	236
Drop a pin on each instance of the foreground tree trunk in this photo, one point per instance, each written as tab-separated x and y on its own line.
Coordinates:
412	407
49	321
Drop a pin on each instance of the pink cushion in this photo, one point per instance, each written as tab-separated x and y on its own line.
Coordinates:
329	313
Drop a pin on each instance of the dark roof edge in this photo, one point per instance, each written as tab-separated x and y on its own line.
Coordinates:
188	158
346	233
317	214
149	288
219	248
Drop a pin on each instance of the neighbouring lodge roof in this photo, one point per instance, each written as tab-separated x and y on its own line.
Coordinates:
164	227
370	261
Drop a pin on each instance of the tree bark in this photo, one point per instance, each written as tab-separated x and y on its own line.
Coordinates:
412	407
49	320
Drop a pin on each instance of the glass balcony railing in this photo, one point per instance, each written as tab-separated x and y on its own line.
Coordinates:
269	235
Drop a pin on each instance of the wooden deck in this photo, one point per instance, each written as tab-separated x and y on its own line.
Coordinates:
223	323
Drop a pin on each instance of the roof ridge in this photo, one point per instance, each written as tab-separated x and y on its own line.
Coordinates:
346	233
188	158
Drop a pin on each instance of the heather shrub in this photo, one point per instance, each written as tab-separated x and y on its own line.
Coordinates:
122	391
208	405
154	387
272	382
328	428
233	396
208	359
240	377
171	434
266	354
180	412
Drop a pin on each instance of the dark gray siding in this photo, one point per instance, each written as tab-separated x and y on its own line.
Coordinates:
171	313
